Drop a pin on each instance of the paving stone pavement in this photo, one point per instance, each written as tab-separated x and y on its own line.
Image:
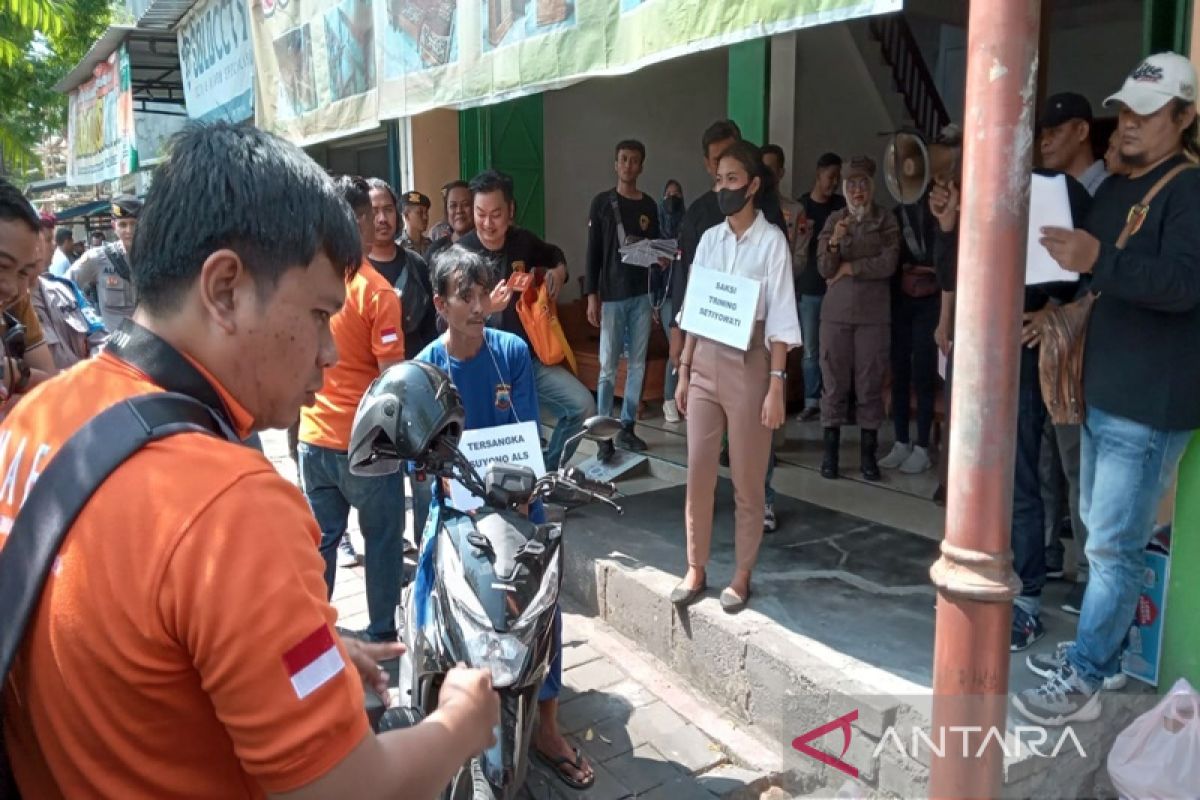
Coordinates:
645	734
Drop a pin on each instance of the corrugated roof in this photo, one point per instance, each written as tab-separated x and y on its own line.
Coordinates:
164	15
109	41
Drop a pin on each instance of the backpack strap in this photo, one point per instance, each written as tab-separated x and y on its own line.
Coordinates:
79	468
616	209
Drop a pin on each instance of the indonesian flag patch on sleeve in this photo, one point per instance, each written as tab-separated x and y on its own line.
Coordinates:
388	335
313	662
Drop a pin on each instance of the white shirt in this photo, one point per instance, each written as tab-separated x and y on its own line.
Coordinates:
59	263
761	254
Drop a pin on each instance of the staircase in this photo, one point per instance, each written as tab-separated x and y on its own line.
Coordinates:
911	77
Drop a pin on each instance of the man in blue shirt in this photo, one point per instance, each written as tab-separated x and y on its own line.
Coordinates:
494	374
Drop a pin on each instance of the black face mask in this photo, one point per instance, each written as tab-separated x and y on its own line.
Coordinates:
731	201
673	204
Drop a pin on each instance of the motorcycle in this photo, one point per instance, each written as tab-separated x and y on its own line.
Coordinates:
485	594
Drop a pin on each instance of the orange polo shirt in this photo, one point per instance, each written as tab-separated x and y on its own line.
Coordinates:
367	330
184	646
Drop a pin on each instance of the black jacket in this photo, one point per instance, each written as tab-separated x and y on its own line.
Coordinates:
1143	348
605	273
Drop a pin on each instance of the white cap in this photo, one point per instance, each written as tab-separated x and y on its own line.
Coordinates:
1156	81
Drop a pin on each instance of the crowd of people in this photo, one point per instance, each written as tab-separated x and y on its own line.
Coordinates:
288	292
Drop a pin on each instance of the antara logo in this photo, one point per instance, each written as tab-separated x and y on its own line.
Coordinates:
975	741
1147	73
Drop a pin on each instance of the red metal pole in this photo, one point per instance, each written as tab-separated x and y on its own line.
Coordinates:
974	575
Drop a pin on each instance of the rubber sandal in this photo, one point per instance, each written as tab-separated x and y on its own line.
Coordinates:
556	764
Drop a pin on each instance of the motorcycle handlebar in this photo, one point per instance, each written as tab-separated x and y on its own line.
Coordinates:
605	488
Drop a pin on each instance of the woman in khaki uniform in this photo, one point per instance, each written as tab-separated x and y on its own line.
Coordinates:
722	388
857	253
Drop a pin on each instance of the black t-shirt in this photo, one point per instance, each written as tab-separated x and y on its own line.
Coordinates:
416	300
606	273
810	281
522	251
1142	359
438	246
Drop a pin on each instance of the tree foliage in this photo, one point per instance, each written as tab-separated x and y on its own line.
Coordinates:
40	42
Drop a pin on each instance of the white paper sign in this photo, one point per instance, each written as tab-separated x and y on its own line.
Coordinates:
517	444
720	306
1049	206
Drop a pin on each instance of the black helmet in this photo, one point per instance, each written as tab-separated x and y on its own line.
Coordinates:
402	416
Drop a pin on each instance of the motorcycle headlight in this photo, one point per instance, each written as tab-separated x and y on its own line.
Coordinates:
546	597
461	594
501	653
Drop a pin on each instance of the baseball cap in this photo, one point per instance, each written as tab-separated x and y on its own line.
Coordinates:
1156	81
1064	107
411	199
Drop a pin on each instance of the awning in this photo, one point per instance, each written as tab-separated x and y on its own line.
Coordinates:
85	210
153	59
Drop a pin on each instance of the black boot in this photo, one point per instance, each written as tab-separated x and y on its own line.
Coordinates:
833	444
870	443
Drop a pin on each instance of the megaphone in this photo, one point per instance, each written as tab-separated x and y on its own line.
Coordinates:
906	167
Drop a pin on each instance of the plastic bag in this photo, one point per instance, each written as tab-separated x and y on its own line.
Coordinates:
1158	756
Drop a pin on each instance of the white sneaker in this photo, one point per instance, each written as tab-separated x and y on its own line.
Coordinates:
899	454
917	462
346	555
769	523
671	411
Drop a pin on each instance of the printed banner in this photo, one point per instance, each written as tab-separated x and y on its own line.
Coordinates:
100	131
338	67
216	58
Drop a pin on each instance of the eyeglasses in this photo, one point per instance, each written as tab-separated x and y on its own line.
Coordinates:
858	183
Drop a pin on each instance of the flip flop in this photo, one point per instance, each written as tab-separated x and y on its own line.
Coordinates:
556	764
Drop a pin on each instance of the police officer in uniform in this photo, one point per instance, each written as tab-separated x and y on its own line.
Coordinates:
103	272
414	208
72	328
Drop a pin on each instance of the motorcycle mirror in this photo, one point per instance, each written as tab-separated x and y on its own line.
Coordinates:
601	429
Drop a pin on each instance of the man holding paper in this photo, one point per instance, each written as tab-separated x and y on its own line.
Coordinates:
1141	370
1061	197
618	299
494	374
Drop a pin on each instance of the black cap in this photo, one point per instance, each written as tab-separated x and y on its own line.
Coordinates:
1065	107
126	206
411	199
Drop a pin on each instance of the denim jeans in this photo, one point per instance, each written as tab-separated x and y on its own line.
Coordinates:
1028	512
332	491
666	314
624	327
569	401
809	308
1125	468
422	495
914	363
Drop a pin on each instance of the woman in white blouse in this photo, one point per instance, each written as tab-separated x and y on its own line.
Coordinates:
725	388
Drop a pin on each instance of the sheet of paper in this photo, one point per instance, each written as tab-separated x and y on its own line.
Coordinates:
517	444
1049	206
720	306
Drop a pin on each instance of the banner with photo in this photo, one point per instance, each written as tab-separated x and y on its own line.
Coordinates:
462	53
102	144
216	59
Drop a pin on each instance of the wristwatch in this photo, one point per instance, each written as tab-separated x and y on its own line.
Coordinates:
779	373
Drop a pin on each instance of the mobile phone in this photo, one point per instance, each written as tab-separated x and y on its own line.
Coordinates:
520	281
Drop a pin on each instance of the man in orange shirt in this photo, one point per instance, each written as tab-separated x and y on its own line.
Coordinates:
183	646
369	336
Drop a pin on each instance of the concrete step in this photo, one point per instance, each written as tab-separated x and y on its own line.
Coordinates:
841	622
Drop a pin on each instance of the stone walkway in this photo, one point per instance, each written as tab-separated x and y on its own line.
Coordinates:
645	733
